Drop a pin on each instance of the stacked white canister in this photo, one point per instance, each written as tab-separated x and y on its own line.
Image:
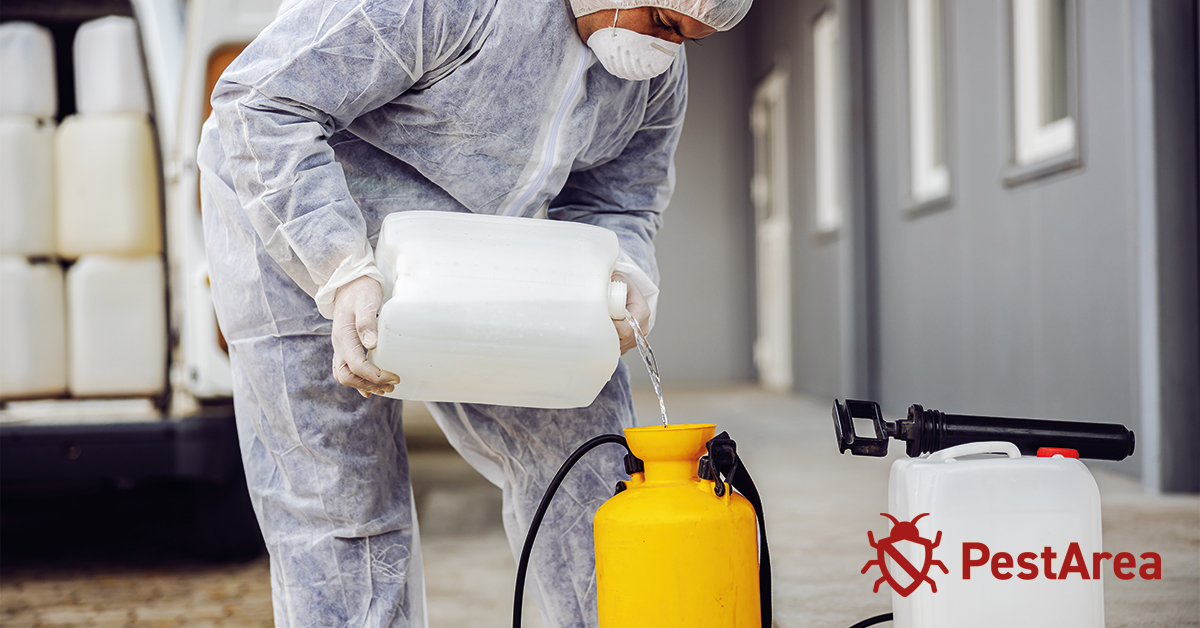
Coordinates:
84	196
32	327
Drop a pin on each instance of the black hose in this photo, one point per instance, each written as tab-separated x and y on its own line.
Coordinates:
523	564
878	619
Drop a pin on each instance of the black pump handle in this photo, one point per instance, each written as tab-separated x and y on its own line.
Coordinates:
932	430
927	431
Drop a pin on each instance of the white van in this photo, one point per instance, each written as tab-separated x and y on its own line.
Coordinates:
178	423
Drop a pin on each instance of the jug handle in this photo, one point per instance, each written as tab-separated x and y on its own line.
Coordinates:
967	449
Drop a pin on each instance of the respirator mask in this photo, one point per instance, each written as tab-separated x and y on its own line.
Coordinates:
629	55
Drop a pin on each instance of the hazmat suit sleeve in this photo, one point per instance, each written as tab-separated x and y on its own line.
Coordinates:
629	193
316	68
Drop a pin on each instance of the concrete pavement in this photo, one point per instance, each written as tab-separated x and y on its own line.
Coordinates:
819	505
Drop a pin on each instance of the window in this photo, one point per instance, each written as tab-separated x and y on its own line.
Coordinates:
1044	116
930	174
827	123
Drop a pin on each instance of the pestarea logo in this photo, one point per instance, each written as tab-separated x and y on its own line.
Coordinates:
979	561
904	531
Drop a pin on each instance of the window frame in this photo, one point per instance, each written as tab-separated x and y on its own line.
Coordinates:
1039	150
827	121
929	186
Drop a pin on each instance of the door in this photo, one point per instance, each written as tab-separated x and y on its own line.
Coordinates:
769	191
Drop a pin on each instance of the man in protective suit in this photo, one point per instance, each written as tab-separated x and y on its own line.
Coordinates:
342	112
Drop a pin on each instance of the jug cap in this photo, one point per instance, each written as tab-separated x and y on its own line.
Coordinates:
618	293
1050	452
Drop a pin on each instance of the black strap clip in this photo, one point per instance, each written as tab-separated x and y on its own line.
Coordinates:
633	464
723	460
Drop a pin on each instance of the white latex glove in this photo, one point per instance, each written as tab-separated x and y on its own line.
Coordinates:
355	331
637	307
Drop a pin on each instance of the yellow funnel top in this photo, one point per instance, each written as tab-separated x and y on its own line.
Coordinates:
670	452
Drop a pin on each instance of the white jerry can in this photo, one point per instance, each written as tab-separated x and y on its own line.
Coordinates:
107	175
110	74
498	310
33	350
117	326
26	186
1006	525
27	65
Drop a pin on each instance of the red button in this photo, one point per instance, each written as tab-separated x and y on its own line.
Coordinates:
1047	452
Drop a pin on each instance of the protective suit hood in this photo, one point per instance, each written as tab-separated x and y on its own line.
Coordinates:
719	14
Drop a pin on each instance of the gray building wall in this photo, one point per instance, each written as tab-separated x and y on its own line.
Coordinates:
704	329
1014	300
1020	300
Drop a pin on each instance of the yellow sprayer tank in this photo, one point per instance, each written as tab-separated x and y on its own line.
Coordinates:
669	551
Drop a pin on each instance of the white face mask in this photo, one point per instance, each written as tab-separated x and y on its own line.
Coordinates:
632	56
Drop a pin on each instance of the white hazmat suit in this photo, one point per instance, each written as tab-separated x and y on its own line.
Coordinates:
338	114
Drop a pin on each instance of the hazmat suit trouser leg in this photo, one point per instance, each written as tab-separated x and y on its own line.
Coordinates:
328	475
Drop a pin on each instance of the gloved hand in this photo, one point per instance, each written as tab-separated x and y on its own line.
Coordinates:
635	306
355	306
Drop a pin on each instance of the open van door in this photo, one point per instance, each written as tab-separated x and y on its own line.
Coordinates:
217	31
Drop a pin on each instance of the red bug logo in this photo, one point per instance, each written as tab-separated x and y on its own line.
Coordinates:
904	531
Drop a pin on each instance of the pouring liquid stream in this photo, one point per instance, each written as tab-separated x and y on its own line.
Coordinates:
651	364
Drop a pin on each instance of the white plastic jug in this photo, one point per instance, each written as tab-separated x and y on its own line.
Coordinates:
27	66
116	318
108	190
32	333
1013	505
26	186
110	76
498	310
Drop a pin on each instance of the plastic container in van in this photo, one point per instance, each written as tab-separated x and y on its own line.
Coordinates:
32	332
28	71
1013	505
108	185
110	76
498	310
116	319
26	186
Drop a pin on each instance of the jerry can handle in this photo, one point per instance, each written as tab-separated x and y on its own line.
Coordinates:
968	449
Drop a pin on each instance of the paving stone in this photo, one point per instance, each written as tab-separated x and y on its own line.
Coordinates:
160	611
